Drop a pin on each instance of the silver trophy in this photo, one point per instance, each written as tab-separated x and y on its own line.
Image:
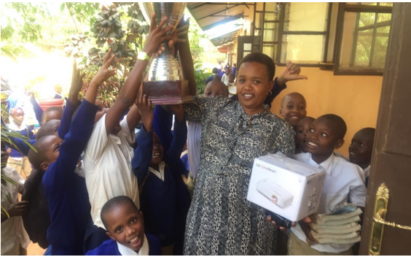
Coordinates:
166	84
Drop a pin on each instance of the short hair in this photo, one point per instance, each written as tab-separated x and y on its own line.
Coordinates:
15	109
36	157
215	70
45	129
50	110
290	94
114	203
225	88
263	59
368	131
338	122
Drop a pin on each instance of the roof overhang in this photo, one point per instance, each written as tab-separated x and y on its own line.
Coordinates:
220	21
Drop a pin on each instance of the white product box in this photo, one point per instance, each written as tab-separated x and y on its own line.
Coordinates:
287	187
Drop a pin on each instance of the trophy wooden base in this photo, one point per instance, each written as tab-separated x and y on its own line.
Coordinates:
167	92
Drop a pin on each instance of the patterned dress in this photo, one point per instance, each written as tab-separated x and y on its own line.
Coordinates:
221	221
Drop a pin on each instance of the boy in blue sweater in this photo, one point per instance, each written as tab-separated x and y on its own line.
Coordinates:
65	192
37	219
125	226
17	160
164	197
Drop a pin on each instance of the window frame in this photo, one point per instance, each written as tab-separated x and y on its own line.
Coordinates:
342	9
326	33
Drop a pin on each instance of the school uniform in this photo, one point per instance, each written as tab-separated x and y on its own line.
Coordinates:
17	160
344	182
108	174
65	191
151	246
37	110
14	239
164	198
37	219
367	174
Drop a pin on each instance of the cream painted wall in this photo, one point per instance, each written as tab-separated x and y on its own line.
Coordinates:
354	98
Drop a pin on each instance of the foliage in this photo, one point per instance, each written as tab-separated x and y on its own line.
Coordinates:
201	77
108	33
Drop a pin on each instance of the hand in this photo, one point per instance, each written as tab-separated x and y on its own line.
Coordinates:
146	112
283	229
8	150
76	84
18	209
178	111
104	73
306	228
290	73
30	94
156	36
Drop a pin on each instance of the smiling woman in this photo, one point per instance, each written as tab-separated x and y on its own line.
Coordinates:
221	221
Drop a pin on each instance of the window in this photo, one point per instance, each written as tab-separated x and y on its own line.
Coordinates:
304	32
362	38
295	32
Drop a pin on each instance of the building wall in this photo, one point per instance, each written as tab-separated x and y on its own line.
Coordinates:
354	98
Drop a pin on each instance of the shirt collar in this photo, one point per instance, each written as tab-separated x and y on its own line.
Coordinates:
144	250
326	165
367	171
159	173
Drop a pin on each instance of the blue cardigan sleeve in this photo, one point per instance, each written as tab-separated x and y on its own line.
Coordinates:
61	171
66	119
37	109
142	155
162	125
172	156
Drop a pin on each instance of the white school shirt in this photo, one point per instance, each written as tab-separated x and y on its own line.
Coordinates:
13	233
107	167
125	251
193	146
225	79
344	182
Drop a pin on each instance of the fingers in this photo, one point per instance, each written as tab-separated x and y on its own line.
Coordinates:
162	22
108	55
153	22
108	62
307	220
302	77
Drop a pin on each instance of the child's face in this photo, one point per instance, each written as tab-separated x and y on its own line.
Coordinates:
215	88
18	116
322	139
293	109
227	72
231	78
303	128
158	150
360	150
52	145
253	85
126	226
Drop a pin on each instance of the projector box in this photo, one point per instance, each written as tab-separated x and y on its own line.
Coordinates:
287	187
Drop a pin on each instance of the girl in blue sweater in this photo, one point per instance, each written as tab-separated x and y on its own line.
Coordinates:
164	197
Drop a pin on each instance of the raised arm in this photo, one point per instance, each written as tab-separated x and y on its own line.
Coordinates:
129	91
172	155
144	150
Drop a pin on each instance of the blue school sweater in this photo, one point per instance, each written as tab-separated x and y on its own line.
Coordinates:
21	146
37	109
110	247
37	219
164	203
27	134
65	192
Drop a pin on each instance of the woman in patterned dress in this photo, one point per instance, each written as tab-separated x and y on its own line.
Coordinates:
221	221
